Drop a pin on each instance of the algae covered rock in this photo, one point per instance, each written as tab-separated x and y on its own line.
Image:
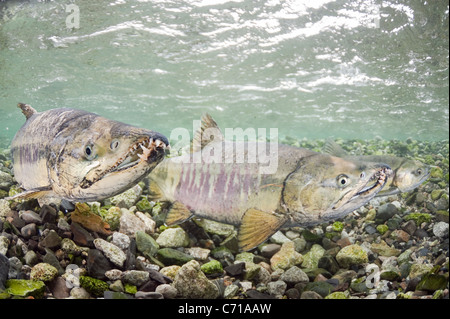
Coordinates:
432	282
173	238
25	288
212	267
286	257
170	256
146	244
352	255
311	258
43	272
192	283
94	286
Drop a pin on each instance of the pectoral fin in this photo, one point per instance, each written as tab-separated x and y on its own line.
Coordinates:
257	226
35	193
177	214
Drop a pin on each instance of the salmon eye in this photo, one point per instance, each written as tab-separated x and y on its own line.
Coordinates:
342	180
419	171
89	152
362	175
114	144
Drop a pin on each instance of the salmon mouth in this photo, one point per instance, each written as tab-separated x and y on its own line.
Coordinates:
368	189
145	151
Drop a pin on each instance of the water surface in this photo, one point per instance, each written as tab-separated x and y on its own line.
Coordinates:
312	69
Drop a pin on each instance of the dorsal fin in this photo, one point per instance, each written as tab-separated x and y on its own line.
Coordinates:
333	148
27	110
207	132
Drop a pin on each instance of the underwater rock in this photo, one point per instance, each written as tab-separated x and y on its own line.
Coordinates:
111	251
294	275
384	250
352	255
432	282
212	267
127	198
130	223
286	257
43	272
135	277
173	238
89	220
25	288
146	244
170	256
311	258
441	229
6	180
4	270
94	286
191	282
168	291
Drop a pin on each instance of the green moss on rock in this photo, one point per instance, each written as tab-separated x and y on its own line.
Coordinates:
419	218
212	267
94	286
25	288
382	229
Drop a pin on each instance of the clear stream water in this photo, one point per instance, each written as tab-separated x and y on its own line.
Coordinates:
313	69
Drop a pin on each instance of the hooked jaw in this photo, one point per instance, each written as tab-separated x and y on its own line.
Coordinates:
361	195
148	150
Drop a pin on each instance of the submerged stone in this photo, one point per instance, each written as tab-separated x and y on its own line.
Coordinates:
352	255
25	288
192	283
212	267
169	256
94	286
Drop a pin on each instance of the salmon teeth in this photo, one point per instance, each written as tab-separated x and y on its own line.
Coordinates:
146	153
160	143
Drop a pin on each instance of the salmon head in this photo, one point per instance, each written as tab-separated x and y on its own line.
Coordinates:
325	187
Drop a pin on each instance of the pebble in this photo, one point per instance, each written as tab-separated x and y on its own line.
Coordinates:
130	223
44	272
173	238
167	291
277	288
286	257
4	270
294	275
440	229
120	240
28	216
352	255
192	283
111	251
135	277
311	258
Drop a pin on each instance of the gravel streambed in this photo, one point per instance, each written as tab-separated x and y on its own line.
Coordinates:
392	248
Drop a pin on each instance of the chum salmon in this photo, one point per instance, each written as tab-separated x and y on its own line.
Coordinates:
305	188
407	174
80	156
